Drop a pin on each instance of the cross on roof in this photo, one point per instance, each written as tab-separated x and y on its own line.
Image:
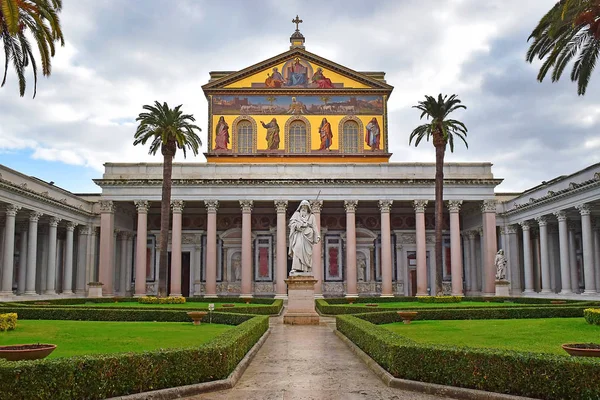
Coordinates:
297	21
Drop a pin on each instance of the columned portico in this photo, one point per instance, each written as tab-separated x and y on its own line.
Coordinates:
563	237
177	206
246	206
490	246
22	260
68	270
588	249
471	236
386	249
140	247
82	249
9	250
350	207
455	248
281	287
107	251
51	274
527	257
211	248
420	239
544	260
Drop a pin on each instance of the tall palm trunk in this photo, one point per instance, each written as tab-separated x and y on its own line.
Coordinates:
165	217
440	151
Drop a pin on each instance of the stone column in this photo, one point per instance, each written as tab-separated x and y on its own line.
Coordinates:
211	247
107	250
513	259
386	249
34	217
527	260
563	237
9	250
141	247
177	206
350	206
121	277
481	261
68	271
317	256
246	206
81	260
197	269
544	261
2	228
597	252
51	274
471	235
91	266
573	258
128	271
22	259
281	267
455	249
421	242
588	250
491	246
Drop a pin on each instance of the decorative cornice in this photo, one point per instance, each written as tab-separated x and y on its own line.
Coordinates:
489	206
584	209
454	205
177	206
211	206
420	205
106	206
281	206
12	210
142	206
316	206
350	205
246	205
385	206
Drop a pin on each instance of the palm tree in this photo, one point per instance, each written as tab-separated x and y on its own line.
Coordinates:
271	99
169	129
570	30
443	131
40	17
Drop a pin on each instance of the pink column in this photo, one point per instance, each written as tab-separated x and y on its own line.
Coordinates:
140	247
246	206
107	246
177	206
455	249
317	256
421	247
281	267
386	249
211	248
350	206
491	247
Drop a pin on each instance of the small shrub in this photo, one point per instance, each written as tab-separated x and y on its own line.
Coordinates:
440	299
161	300
592	316
8	322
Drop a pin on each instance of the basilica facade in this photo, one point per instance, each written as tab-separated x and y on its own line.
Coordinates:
294	127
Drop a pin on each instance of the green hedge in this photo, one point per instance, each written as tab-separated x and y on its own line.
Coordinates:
439	299
592	316
525	374
8	322
104	376
161	300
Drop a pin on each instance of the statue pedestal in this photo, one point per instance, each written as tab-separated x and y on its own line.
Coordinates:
502	288
301	301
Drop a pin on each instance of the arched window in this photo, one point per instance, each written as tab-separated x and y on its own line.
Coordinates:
350	137
244	137
297	137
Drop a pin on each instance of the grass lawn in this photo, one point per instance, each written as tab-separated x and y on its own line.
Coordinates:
533	335
192	305
95	337
416	304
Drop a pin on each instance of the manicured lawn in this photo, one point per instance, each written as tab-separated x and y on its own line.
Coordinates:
93	337
193	305
416	304
533	335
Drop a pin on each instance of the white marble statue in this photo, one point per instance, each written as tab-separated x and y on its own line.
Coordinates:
304	233
500	262
361	267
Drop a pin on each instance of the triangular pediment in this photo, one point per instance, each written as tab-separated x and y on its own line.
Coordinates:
297	69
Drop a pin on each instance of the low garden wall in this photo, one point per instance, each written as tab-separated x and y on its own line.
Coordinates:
525	374
104	376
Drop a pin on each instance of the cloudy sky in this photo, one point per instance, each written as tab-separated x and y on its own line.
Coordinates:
122	54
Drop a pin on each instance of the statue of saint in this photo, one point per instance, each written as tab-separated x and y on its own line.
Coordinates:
304	233
500	262
361	268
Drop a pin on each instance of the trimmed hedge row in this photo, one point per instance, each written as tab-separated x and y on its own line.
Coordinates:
525	374
440	299
592	316
8	322
104	376
494	299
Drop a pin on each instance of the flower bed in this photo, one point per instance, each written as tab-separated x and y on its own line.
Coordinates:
161	300
8	322
510	372
105	376
592	316
440	299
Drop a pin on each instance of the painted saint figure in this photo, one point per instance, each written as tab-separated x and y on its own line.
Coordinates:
272	134
275	80
326	134
373	134
321	80
221	134
304	233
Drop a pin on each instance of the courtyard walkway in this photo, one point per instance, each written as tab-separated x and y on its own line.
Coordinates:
308	362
